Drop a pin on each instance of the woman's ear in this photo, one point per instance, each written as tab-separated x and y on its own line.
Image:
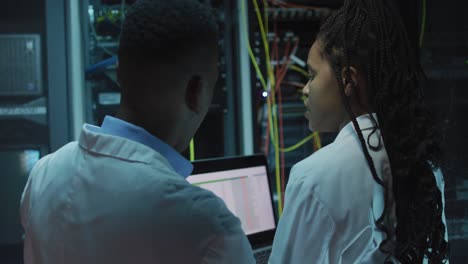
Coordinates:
350	80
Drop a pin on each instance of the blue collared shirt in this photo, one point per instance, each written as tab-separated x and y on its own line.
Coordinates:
117	127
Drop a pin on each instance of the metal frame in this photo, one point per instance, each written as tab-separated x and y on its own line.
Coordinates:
57	74
76	66
245	92
230	131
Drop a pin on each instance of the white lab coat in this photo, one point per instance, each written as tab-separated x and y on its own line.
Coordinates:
107	199
332	203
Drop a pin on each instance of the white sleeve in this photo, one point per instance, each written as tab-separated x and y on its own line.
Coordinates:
229	249
305	229
439	177
24	204
228	243
441	185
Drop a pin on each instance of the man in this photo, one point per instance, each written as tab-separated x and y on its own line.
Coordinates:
119	194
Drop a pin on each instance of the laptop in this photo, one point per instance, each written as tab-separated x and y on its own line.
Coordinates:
243	184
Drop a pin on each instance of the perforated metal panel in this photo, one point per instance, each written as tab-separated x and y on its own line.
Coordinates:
20	65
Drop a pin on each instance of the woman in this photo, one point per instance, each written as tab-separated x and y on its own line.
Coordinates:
371	195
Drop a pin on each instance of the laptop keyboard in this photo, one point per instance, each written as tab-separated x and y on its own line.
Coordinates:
263	256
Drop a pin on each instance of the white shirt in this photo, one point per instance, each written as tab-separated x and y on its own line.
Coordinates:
332	202
108	199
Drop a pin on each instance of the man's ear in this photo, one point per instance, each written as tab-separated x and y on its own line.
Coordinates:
193	93
350	81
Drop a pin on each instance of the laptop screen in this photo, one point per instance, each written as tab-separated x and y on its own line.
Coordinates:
246	193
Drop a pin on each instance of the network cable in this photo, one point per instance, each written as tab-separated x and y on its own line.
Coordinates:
423	23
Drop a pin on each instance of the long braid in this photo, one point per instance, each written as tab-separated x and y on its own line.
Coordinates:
370	34
352	116
356	26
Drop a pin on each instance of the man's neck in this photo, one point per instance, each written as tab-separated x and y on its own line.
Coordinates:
161	130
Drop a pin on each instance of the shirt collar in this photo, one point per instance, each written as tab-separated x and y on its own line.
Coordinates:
117	127
365	123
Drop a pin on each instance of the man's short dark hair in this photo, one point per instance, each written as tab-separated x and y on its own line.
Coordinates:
156	30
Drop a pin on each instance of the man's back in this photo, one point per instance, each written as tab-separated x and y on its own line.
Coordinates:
107	199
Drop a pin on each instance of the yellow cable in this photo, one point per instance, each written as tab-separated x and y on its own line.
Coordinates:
270	99
263	26
257	69
265	43
271	77
299	144
270	120
299	69
271	102
275	141
192	150
251	54
277	158
318	141
255	64
275	144
265	14
314	136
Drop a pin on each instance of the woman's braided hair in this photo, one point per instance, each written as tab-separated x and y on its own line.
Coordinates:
370	35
